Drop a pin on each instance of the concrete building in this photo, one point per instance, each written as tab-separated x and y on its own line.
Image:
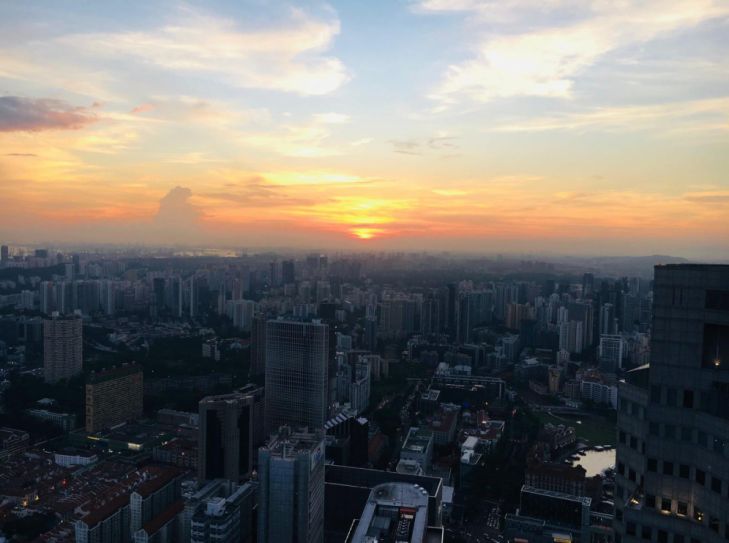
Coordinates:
672	479
224	518
114	396
225	437
611	352
394	512
291	495
418	446
62	348
297	355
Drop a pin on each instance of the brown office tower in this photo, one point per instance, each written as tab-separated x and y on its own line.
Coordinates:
62	348
114	396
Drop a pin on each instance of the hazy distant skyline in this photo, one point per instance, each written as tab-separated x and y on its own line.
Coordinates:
565	126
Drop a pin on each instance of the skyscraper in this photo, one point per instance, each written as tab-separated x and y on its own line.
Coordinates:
62	348
672	479
296	374
113	396
291	491
225	437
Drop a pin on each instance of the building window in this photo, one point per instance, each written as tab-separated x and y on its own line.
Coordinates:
621	436
683	471
700	476
716	485
646	533
671	395
650	501
634	442
714	524
630	528
666	505
682	509
669	431
688	399
717	299
686	434
621	468
677	538
655	394
702	439
652	465
662	536
653	428
667	468
631	474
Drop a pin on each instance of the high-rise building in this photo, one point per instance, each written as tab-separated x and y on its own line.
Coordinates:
224	517
62	348
291	492
4	253
225	437
258	345
611	352
114	396
296	374
672	477
394	512
288	274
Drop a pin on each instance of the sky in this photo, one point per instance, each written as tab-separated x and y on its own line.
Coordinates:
515	126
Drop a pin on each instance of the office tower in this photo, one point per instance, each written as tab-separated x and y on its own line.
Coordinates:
224	516
113	396
672	477
611	352
62	348
588	284
225	437
291	492
296	374
258	345
4	254
288	274
394	512
607	321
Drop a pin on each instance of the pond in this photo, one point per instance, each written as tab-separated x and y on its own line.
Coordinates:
595	462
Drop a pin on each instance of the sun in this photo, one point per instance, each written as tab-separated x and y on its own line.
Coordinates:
366	233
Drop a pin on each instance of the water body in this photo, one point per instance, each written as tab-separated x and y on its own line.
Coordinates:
595	462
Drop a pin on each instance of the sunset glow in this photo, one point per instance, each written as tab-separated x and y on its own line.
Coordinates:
592	128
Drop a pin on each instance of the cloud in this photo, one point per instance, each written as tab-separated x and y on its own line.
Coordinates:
546	58
692	115
32	115
142	108
21	154
289	57
422	146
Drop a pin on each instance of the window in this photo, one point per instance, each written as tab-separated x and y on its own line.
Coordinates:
652	465
677	538
716	485
630	528
666	505
717	299
718	445
700	476
671	395
714	524
650	500
669	431
688	399
686	434
682	508
646	533
621	468
621	436
655	394
702	438
667	468
653	428
631	474
633	442
683	471
662	536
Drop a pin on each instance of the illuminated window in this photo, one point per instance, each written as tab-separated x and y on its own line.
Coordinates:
682	509
666	505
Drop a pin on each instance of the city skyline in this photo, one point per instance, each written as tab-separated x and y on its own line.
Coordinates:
562	127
